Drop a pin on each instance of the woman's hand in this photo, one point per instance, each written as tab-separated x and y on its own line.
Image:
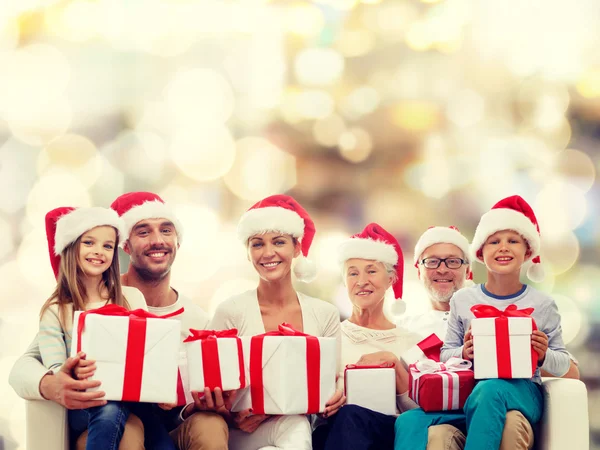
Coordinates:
217	401
377	358
245	421
334	404
84	368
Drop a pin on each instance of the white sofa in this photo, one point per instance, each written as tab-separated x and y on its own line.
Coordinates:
564	426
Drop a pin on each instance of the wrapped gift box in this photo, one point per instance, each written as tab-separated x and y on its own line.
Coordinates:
289	372
136	353
184	395
215	359
428	348
502	344
372	387
435	386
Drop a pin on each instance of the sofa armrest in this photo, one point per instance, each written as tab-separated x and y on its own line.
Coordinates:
565	423
46	426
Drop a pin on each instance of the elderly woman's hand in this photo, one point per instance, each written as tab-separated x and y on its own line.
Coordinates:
377	358
334	404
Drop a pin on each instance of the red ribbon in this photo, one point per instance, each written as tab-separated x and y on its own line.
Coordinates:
431	346
313	368
502	334
210	355
136	343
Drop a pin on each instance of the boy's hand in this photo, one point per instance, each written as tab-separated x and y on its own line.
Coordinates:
167	406
467	352
539	342
84	368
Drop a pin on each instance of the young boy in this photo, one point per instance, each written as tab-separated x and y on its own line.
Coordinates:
506	238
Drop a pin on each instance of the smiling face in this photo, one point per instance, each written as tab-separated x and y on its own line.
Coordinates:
272	254
366	281
504	252
442	283
96	250
152	247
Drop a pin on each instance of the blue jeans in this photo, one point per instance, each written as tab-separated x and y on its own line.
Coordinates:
483	417
355	428
105	425
156	436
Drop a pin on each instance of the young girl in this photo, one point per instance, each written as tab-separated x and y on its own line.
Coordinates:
82	244
276	231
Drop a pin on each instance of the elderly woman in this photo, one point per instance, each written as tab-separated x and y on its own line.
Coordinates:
372	262
276	231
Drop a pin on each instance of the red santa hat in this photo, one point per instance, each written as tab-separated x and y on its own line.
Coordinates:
511	213
136	206
65	224
284	214
375	243
442	235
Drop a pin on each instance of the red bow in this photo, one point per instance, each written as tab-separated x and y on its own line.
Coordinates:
483	311
200	335
285	329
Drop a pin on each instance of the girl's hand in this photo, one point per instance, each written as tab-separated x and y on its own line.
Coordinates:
539	342
377	358
467	352
334	404
167	406
217	401
245	421
84	368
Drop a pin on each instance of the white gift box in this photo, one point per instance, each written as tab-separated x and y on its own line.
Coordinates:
215	363
428	348
132	365
285	375
373	388
503	355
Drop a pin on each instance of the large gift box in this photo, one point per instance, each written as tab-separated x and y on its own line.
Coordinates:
436	386
502	342
428	348
289	372
372	387
136	352
215	359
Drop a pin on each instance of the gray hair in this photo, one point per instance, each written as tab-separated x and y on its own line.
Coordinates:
389	268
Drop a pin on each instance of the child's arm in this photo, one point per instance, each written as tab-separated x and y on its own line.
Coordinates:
51	339
557	359
453	343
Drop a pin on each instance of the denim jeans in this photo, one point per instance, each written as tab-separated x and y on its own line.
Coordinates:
156	436
105	425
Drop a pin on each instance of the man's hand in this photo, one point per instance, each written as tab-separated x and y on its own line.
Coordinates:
63	389
217	401
539	342
334	404
245	421
85	368
377	358
467	352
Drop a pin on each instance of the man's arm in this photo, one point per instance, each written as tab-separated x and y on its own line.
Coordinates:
27	373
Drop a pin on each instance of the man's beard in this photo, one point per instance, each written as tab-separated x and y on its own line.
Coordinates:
441	297
150	276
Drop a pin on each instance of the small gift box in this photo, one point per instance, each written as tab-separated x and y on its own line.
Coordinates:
436	386
215	359
428	348
372	387
136	352
502	342
289	372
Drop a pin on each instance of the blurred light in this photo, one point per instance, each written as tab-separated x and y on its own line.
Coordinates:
416	116
74	154
318	66
327	131
342	5
228	289
199	96
353	43
576	167
325	249
355	145
203	153
78	21
304	19
419	36
392	19
561	252
435	181
465	108
570	317
34	265
589	83
7	244
314	104
9	33
41	123
16	175
584	285
361	101
260	169
560	207
54	190
109	185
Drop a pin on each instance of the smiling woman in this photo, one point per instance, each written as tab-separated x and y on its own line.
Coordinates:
276	231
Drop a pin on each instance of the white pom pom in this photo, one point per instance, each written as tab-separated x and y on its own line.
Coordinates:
305	270
398	307
536	273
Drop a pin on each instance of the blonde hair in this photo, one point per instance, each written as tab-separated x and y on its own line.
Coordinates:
69	284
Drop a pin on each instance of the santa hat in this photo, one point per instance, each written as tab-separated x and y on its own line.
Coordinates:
284	214
64	225
511	213
442	235
136	206
375	243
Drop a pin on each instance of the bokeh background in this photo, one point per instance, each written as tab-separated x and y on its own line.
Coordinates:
405	112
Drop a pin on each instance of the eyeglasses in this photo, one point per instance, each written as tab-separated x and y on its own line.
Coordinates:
451	263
